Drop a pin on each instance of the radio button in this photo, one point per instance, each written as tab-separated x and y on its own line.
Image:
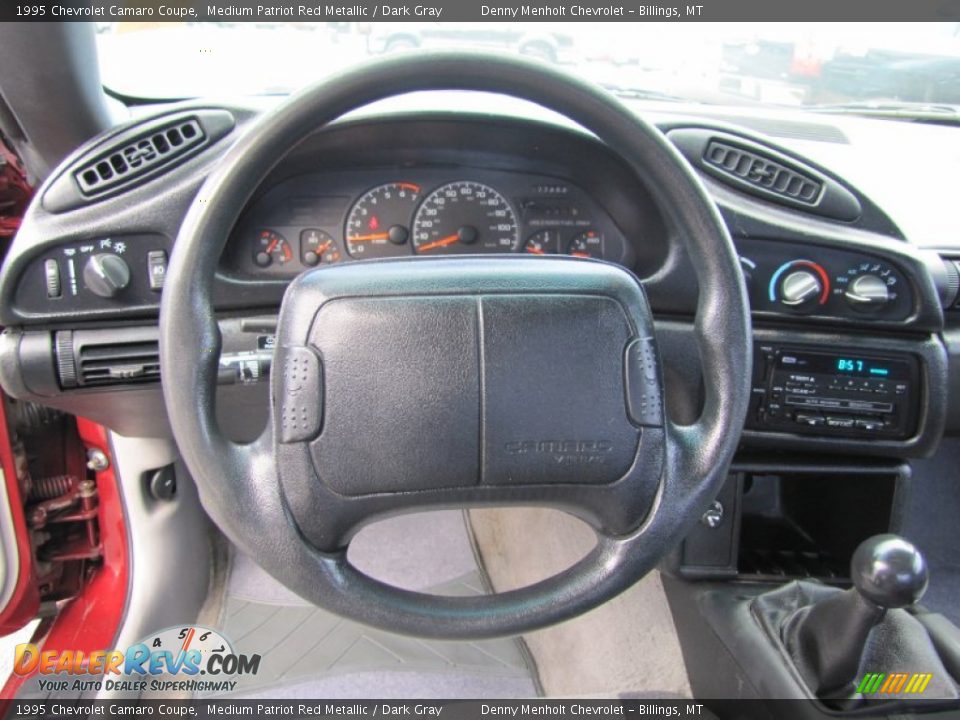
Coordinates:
840	421
870	425
809	419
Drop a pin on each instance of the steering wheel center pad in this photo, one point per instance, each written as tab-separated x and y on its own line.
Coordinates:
467	381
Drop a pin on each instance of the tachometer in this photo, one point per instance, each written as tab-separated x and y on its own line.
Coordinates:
465	217
379	222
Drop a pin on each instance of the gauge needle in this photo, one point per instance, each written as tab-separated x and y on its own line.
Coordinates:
442	242
535	251
580	254
368	238
323	248
272	246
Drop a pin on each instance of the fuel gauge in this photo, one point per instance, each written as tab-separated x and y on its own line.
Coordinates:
318	248
545	242
271	247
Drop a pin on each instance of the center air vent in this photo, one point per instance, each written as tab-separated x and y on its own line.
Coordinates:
134	155
89	358
762	172
136	158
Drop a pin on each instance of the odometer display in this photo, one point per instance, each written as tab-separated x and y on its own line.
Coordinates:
463	218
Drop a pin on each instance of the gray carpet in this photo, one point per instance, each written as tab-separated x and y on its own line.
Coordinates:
308	652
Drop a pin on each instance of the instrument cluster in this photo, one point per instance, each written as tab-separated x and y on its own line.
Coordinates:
326	218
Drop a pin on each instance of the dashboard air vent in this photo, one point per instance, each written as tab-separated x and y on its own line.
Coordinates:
134	155
776	176
763	172
138	157
89	358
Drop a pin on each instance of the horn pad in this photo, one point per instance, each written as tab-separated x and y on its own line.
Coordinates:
426	393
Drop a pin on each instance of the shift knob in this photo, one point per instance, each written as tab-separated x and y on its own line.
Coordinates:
889	571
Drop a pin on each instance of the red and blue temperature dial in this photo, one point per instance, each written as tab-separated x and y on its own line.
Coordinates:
800	284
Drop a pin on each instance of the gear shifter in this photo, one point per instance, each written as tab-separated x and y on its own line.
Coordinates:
827	638
889	571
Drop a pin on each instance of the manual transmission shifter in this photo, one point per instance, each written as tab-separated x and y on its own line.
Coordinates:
889	571
827	639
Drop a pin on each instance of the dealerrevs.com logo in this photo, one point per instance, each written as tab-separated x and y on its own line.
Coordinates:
189	658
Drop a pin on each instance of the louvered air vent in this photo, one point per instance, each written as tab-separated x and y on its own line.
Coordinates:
98	357
756	168
762	172
134	155
138	157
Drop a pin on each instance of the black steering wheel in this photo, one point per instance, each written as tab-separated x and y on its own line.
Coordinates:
420	383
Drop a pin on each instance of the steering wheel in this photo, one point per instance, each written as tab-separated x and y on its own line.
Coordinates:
460	381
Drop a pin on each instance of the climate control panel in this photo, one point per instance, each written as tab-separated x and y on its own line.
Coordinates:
790	279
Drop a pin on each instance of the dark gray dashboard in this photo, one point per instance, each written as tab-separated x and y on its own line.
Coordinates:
812	276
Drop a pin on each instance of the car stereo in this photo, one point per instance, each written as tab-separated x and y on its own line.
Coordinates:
843	392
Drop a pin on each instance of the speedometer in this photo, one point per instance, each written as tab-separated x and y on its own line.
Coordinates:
465	217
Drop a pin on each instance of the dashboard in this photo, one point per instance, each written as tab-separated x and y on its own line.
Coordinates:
830	279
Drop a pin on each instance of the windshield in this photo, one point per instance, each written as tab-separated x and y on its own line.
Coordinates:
895	68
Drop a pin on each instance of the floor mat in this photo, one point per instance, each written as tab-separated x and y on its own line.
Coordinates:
308	652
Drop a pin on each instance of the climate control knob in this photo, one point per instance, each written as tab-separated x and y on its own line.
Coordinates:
800	287
866	292
106	274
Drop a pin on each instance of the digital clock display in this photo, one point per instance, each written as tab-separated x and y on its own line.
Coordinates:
857	366
861	367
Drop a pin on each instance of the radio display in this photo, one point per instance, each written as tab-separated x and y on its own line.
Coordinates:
861	367
845	365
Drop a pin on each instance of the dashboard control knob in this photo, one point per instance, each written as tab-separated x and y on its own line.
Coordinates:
106	274
800	287
867	291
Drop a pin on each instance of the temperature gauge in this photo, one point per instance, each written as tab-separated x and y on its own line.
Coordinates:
271	247
318	248
587	244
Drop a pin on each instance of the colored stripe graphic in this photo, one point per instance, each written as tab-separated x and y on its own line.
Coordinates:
869	681
894	683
